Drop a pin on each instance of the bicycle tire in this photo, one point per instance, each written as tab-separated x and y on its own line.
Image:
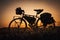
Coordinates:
17	19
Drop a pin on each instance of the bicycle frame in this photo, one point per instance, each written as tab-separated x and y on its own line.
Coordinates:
31	16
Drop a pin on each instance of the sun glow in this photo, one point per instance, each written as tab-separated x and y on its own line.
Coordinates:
29	7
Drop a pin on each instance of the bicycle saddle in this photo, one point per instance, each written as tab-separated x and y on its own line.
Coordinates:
38	10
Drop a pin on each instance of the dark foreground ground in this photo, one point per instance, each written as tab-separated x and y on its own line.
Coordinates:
21	34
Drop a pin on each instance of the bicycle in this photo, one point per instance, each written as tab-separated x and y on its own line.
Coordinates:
33	20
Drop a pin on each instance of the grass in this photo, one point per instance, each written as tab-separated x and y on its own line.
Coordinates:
21	34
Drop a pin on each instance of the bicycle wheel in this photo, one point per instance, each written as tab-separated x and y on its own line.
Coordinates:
18	22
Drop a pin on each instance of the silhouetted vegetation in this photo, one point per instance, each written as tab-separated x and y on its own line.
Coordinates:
20	34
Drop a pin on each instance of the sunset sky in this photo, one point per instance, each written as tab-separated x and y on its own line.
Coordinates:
7	9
